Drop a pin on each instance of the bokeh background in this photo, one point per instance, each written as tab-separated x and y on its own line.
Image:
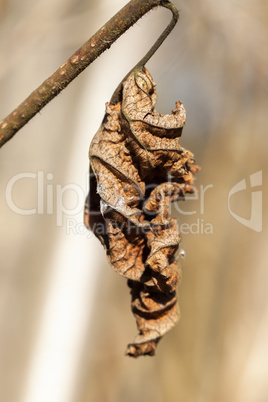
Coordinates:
65	315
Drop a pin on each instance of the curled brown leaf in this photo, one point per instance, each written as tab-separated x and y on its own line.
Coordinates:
137	169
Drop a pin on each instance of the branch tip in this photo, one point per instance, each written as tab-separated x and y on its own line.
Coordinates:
81	59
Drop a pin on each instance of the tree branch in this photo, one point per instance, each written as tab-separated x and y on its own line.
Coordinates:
82	58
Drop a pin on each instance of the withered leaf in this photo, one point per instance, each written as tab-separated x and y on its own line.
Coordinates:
137	169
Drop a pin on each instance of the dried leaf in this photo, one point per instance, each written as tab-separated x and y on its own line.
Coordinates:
137	169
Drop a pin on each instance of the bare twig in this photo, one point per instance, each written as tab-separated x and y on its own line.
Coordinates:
82	58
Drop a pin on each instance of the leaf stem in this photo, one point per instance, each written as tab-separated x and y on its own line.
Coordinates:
81	59
175	16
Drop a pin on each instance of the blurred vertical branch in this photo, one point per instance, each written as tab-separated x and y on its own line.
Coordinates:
81	59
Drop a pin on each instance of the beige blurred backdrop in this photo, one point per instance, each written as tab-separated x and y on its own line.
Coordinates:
65	315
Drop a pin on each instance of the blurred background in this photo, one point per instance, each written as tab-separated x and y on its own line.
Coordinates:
65	316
